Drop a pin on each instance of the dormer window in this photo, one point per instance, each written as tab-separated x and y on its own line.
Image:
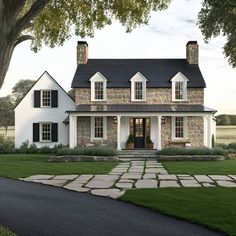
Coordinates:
98	90
138	87
179	87
98	87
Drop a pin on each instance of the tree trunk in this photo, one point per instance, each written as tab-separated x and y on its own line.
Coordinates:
6	50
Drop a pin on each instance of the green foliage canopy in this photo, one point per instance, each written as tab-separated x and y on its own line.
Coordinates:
218	17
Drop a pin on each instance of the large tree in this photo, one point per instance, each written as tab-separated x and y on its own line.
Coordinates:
7	112
21	88
54	21
218	17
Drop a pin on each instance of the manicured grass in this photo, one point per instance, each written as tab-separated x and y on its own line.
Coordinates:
201	167
214	207
6	232
23	165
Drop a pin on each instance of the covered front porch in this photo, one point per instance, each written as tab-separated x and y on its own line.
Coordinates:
164	125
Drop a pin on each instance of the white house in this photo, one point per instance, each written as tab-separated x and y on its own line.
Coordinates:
40	117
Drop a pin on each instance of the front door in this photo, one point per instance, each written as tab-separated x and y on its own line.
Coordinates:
139	133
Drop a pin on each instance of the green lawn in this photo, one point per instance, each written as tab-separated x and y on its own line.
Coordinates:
23	165
214	207
6	232
226	167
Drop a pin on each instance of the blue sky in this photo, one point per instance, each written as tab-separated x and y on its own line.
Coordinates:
165	36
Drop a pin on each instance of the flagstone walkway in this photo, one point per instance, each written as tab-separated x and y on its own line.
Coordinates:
132	175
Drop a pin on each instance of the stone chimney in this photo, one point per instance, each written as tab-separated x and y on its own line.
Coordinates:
192	52
82	52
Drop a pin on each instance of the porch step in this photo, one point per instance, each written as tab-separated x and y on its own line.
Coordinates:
137	154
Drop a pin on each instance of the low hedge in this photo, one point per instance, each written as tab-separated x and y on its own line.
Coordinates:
171	151
89	151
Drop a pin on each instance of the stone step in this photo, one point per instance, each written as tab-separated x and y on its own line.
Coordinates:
138	156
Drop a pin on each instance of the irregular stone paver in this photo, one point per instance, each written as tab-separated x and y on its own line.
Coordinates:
167	177
131	176
220	177
146	183
225	183
66	177
126	181
76	187
124	185
168	183
53	182
106	177
233	176
33	177
99	184
149	176
208	185
84	177
155	170
190	183
113	192
203	179
186	177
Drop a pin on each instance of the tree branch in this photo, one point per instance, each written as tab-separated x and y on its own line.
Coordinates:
23	38
35	9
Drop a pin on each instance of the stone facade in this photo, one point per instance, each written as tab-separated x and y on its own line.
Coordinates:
153	95
195	132
84	132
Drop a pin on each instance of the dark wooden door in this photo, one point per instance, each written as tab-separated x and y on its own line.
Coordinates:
139	133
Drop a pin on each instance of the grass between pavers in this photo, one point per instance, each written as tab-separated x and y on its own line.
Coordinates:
226	167
6	232
24	165
214	207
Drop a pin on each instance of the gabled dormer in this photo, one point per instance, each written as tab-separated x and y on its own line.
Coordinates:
98	85
179	87
138	88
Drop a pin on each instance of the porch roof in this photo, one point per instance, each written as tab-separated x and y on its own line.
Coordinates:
142	108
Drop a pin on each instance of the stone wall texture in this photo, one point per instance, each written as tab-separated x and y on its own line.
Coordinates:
153	96
195	132
84	132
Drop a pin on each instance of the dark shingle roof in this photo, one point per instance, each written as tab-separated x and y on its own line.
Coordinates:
118	72
142	108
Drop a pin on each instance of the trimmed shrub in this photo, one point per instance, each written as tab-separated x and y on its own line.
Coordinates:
232	146
130	139
171	151
45	150
24	147
6	145
89	151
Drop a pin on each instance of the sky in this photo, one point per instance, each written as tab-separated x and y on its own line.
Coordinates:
165	36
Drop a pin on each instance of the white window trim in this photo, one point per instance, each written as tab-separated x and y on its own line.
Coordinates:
179	77
184	126
98	77
104	128
40	132
138	77
41	98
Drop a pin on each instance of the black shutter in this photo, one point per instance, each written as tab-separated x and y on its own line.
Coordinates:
54	98
54	132
36	98
35	132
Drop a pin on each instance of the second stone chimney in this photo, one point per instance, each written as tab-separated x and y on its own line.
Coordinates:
82	52
192	52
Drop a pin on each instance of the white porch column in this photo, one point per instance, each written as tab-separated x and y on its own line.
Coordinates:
118	133
73	131
159	132
209	131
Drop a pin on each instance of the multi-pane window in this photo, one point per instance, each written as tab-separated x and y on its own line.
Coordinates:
98	127
46	131
179	90
138	90
46	98
179	127
98	90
